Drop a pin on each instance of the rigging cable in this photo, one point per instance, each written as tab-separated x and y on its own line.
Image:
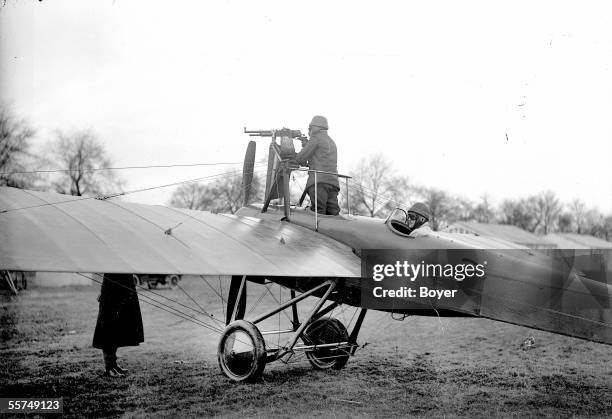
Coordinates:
124	193
160	305
96	169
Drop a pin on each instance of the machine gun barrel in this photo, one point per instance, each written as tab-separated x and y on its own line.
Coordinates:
283	132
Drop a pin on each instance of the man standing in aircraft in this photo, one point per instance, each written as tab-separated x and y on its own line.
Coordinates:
418	220
319	153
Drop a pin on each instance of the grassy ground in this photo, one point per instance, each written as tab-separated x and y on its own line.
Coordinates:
419	367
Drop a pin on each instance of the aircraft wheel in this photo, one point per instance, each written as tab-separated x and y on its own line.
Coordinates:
242	351
326	330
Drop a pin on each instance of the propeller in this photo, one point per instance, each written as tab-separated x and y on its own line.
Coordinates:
247	171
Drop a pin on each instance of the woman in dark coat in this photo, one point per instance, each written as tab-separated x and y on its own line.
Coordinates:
119	320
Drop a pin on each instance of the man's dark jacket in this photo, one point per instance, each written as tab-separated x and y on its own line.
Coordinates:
119	319
320	154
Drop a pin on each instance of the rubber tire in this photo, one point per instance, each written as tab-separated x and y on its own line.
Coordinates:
259	346
173	280
321	331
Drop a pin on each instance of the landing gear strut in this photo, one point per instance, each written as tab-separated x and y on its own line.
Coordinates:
242	352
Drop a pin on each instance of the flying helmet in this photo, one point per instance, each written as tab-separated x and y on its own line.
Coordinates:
420	209
319	121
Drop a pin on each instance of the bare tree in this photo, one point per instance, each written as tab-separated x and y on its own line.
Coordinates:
223	195
565	223
15	143
461	209
607	228
516	212
79	154
375	187
597	224
442	208
191	196
578	212
229	192
545	208
483	212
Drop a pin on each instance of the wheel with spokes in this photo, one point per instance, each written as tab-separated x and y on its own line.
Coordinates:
326	331
173	280
242	351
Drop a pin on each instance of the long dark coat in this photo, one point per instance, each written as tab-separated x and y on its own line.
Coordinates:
119	319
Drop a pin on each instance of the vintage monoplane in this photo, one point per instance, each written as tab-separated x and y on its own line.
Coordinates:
308	253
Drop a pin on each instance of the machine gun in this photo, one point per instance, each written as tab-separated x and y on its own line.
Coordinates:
285	149
280	163
274	133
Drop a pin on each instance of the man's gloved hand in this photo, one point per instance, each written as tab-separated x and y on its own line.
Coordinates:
304	140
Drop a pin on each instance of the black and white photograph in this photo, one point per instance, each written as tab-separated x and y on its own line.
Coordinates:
296	209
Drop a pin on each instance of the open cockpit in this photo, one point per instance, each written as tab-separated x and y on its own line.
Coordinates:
397	222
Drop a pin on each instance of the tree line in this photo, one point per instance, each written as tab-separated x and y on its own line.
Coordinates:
67	164
374	190
377	189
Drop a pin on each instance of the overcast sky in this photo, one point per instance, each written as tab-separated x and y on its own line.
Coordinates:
506	98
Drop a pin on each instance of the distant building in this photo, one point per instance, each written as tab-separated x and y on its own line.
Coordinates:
506	232
577	241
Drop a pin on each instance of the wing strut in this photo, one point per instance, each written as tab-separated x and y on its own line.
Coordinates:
236	300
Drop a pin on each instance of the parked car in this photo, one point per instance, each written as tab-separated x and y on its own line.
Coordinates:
153	280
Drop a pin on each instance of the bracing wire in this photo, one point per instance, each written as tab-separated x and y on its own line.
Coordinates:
222	299
212	288
378	197
203	312
278	302
169	309
162	306
123	193
194	301
97	169
254	306
183	315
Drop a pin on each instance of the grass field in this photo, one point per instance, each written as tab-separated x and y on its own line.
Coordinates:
416	367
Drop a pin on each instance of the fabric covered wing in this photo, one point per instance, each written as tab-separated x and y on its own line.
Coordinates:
42	231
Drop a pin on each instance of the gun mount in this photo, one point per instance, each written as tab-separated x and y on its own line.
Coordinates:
281	162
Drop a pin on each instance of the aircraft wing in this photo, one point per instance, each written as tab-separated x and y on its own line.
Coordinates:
43	231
